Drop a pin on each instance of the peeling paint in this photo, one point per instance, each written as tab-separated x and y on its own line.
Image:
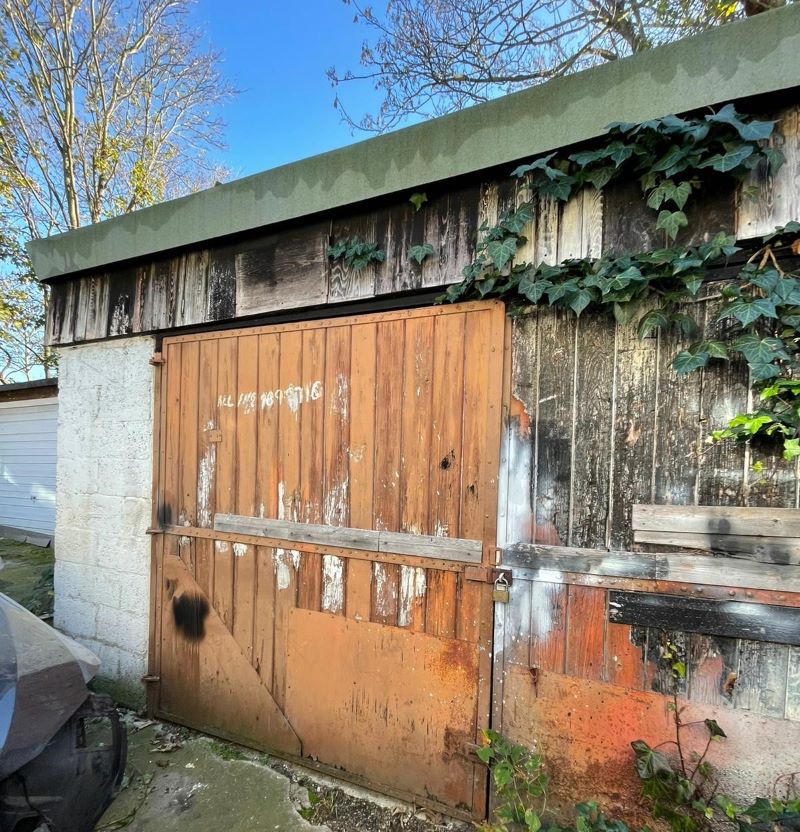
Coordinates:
516	472
205	482
340	398
441	529
385	593
336	503
412	587
332	583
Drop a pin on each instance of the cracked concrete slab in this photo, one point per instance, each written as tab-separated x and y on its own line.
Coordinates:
176	780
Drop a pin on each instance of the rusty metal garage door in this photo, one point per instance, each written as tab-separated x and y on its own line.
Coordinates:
327	498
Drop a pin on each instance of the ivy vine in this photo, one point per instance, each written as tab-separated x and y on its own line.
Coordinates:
356	253
672	159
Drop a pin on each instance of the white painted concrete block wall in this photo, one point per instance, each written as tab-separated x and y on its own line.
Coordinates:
103	494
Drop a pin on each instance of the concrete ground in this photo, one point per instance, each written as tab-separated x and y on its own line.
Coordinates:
181	781
177	779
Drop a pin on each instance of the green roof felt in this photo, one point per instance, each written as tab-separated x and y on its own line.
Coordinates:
751	57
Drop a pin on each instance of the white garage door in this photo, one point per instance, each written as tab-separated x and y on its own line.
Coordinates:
28	464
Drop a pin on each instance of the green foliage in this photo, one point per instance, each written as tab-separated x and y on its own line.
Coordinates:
418	200
419	253
519	781
671	157
356	253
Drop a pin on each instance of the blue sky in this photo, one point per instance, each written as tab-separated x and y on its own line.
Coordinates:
277	54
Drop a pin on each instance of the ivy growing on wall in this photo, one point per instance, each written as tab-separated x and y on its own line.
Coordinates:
672	159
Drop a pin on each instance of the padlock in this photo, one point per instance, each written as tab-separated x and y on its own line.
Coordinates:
500	592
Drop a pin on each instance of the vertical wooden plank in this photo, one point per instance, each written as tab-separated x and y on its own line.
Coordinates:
344	282
776	200
762	678
171	437
363	358
208	424
415	497
723	475
624	657
190	370
547	230
227	394
480	462
592	453
554	422
389	396
264	614
446	462
246	424
268	413
634	431
548	623
312	415
244	556
336	508
288	498
678	427
570	230
447	402
586	625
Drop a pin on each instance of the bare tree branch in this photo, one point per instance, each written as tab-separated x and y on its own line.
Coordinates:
429	57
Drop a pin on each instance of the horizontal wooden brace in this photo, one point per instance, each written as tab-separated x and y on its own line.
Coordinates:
754	547
770	535
731	619
550	562
397	543
724	520
316	548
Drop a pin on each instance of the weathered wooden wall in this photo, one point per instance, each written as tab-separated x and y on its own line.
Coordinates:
599	423
289	269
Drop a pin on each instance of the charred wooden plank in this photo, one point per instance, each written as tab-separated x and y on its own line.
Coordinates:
732	619
718	520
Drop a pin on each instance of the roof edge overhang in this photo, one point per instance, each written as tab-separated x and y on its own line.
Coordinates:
738	60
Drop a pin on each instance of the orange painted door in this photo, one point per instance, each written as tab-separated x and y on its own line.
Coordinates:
362	646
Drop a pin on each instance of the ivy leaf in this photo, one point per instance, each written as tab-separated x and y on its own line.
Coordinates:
560	189
619	152
750	131
774	157
517	220
624	313
657	319
419	253
675	155
580	300
418	200
729	161
716	349
746	312
538	164
533	289
600	177
671	222
501	251
588	157
693	282
686	361
713	728
791	449
763	371
649	763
